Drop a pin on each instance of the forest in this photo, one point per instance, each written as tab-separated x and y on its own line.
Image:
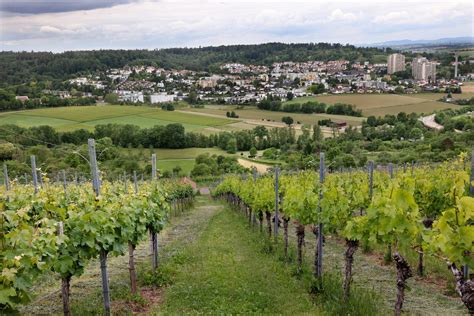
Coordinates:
21	67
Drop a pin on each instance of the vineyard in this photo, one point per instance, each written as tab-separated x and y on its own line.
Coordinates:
427	209
59	227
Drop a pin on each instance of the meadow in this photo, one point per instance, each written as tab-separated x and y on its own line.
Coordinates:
212	118
71	118
167	159
381	104
251	115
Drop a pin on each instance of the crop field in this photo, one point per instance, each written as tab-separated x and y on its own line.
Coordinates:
253	116
381	104
70	118
167	159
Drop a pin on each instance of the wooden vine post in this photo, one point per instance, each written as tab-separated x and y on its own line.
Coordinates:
320	236
254	174
388	256
276	222
154	235
103	253
286	220
5	177
34	172
131	250
471	193
135	182
371	179
65	282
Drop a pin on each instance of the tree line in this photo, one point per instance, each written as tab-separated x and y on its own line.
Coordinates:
274	103
8	102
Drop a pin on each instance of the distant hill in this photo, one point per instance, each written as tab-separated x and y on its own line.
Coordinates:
411	43
25	67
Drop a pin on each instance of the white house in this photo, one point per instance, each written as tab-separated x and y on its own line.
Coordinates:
161	97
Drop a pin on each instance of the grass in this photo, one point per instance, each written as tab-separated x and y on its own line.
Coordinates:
262	117
71	118
86	290
431	295
167	159
186	165
212	262
226	273
381	104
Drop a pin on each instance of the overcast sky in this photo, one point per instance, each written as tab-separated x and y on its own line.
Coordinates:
59	25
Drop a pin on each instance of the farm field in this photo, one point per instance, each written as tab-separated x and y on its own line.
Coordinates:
71	118
252	115
167	159
382	104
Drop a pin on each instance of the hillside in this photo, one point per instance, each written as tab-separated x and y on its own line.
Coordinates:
22	67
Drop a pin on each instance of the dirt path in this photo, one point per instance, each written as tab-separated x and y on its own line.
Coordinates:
429	121
261	168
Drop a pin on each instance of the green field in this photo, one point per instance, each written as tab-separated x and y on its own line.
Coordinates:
167	159
212	118
251	114
70	118
381	104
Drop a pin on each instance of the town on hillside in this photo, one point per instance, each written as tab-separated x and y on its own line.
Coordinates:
236	83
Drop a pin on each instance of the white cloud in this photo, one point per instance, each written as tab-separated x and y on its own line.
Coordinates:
339	15
50	29
392	17
169	23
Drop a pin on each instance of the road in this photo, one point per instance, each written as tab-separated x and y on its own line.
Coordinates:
429	121
261	168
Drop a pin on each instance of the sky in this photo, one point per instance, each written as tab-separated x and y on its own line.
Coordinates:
60	25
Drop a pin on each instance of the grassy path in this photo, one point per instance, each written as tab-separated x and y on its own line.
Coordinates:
225	271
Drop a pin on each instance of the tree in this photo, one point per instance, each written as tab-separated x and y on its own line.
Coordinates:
253	152
201	169
111	98
173	136
399	90
177	170
416	133
260	131
317	133
290	96
231	147
287	120
193	97
317	88
7	151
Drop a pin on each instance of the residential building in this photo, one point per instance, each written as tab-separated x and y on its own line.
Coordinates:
22	98
395	63
423	69
161	97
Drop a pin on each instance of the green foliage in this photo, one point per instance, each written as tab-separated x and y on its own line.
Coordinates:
32	245
288	120
45	66
317	88
253	152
